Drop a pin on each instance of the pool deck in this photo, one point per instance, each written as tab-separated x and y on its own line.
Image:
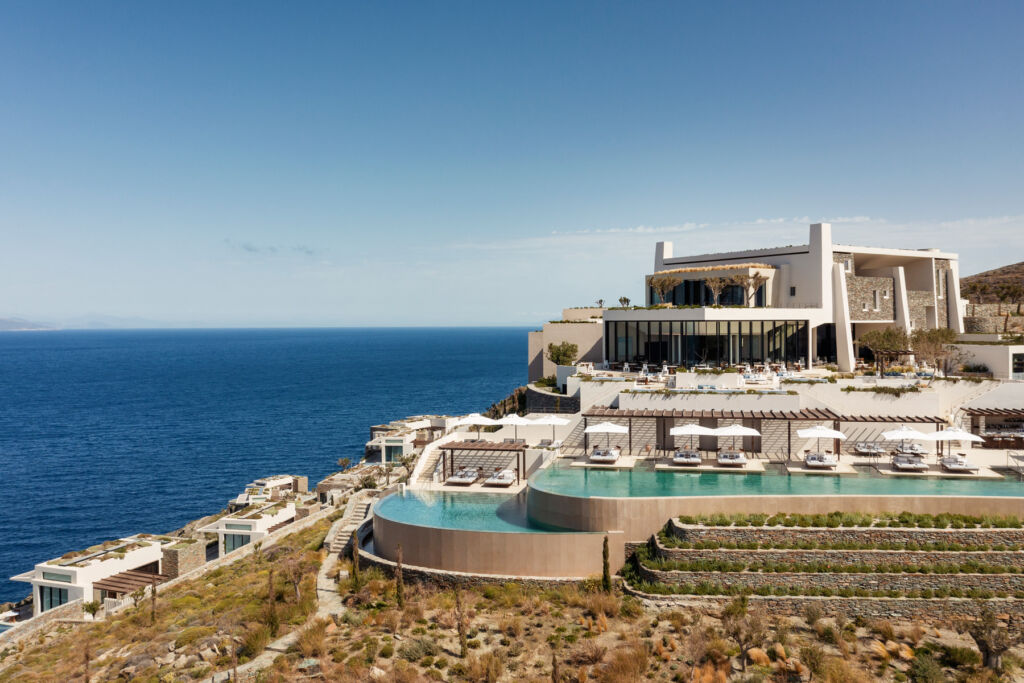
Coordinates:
478	487
754	466
624	462
934	471
842	469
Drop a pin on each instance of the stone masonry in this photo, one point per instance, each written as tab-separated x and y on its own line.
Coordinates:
860	293
865	536
183	557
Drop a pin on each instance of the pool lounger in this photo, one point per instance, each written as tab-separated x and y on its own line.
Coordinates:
819	461
731	459
605	457
906	463
502	478
959	464
463	478
684	458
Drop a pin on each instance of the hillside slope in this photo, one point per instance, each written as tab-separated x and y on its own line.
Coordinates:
1012	274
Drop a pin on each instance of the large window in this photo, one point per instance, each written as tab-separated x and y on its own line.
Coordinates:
50	597
690	343
235	541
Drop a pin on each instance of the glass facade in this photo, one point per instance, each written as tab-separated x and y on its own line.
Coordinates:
234	541
696	293
690	343
50	597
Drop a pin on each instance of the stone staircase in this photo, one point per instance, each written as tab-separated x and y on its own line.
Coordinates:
355	514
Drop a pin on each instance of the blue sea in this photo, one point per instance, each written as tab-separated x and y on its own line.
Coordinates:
109	433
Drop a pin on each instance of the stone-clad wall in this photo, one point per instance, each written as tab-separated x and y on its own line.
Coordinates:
889	609
841	558
860	290
918	301
867	535
543	402
1009	583
183	557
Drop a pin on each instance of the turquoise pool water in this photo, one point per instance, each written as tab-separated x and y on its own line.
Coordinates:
588	483
458	510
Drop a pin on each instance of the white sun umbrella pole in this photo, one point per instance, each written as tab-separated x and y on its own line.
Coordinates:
608	428
953	434
903	434
515	421
475	419
736	430
820	432
552	420
691	430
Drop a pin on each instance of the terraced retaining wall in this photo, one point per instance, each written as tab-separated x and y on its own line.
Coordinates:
931	611
863	535
840	558
1009	583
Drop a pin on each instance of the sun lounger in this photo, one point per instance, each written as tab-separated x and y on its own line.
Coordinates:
686	458
604	456
908	463
731	459
911	449
868	448
820	461
960	464
501	478
463	478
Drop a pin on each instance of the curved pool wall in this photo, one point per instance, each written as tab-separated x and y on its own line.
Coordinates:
433	538
639	503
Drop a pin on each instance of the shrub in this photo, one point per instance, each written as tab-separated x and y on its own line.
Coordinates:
192	634
418	648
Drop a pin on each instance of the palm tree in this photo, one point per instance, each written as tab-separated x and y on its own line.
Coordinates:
624	301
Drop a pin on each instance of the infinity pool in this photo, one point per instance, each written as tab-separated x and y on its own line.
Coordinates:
589	483
458	510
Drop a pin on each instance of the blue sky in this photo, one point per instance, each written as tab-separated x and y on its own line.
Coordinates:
238	163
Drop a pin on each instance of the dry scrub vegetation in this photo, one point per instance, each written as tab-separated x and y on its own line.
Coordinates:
576	633
200	624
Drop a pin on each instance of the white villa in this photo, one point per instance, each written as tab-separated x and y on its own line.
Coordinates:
249	525
807	305
111	569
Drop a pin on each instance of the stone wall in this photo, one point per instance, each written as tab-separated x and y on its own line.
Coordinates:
840	558
918	302
1009	583
183	557
867	535
24	629
930	611
860	292
544	402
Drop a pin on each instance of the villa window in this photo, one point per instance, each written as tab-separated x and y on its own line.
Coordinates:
792	291
865	306
874	295
885	293
234	541
849	265
50	597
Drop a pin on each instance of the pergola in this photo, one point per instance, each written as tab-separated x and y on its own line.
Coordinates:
790	416
128	582
995	441
448	454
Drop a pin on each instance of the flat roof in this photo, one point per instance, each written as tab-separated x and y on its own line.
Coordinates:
792	415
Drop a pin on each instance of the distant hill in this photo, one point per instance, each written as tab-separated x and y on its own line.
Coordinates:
18	325
1013	274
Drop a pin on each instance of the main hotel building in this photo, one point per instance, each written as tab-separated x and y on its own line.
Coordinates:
813	302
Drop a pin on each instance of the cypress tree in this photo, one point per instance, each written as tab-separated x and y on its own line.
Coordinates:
606	573
399	583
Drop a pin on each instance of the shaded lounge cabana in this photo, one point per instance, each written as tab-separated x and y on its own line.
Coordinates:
664	418
476	449
982	418
122	584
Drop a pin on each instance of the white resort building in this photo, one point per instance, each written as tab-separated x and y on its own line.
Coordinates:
799	305
112	569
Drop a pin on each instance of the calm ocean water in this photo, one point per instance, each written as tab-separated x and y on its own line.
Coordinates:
104	434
